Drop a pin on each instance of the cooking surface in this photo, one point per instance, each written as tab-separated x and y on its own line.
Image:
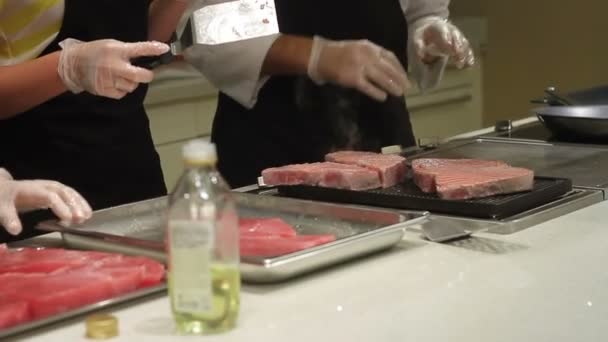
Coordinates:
585	165
408	196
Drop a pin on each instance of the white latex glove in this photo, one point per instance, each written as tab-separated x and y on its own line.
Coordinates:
103	67
20	196
358	64
437	37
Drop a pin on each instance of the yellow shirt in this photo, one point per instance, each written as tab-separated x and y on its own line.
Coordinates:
27	27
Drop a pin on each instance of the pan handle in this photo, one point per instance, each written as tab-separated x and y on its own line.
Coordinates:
555	97
548	102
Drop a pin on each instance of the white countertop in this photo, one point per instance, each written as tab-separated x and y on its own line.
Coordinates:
546	283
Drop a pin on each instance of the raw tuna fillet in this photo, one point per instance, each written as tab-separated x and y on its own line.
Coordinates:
268	246
391	168
470	178
123	279
51	260
152	272
14	282
52	281
331	175
265	226
66	291
14	313
13	309
29	260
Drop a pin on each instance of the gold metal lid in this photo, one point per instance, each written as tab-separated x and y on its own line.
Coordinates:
101	326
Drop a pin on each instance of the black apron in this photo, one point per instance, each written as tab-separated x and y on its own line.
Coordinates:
295	121
99	146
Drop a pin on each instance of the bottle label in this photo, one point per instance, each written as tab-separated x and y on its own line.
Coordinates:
190	265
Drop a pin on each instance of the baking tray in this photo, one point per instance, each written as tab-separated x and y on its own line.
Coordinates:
102	305
138	229
408	196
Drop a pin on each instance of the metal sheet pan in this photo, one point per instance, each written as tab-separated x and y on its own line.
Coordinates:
26	327
138	228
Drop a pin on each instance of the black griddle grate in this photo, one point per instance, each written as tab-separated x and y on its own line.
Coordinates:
408	196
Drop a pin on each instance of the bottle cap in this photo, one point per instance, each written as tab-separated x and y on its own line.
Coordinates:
101	326
199	151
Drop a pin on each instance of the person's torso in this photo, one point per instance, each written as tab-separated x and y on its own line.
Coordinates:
27	27
296	121
98	145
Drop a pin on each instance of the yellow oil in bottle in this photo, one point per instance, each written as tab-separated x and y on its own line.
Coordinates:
222	311
202	246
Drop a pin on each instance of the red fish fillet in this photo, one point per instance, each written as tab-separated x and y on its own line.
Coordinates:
269	246
265	226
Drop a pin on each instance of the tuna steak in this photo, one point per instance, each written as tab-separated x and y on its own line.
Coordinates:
330	175
390	168
470	178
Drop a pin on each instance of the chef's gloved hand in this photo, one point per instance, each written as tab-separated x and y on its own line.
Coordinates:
436	37
358	64
103	67
20	196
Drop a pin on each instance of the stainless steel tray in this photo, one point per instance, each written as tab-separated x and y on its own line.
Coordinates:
138	228
26	327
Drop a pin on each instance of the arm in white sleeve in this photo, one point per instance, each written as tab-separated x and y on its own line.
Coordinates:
416	12
234	68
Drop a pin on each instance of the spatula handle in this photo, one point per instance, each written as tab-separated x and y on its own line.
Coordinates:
151	62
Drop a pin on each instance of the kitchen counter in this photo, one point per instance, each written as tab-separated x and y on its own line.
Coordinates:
546	283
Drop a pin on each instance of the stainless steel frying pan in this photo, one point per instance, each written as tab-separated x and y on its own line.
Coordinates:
576	116
585	122
590	96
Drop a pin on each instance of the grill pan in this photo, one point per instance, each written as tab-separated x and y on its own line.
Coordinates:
408	196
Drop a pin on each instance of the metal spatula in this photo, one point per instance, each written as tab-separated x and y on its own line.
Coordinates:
222	22
444	233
